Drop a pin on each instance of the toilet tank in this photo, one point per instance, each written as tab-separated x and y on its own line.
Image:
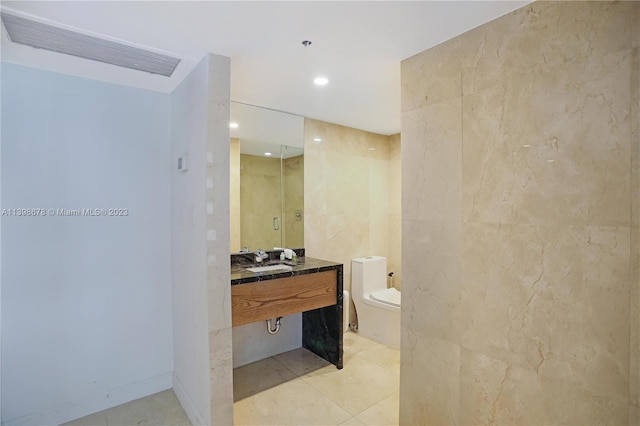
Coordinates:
368	274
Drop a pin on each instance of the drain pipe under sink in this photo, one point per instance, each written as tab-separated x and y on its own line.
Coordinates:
272	330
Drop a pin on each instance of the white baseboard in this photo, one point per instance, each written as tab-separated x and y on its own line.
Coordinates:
195	417
94	403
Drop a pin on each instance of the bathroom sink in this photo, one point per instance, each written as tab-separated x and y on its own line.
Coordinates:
270	268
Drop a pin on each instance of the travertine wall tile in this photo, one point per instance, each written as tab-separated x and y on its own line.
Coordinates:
395	249
379	234
394	145
634	415
434	76
573	34
234	195
432	162
549	300
221	372
493	392
431	305
635	138
634	318
395	207
218	270
378	179
346	140
634	315
347	190
429	381
347	199
635	28
315	181
563	135
217	193
521	199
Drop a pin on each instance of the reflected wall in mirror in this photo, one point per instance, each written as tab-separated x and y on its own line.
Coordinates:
267	178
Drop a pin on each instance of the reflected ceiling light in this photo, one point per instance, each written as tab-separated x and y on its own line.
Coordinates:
321	81
267	154
526	145
233	125
550	161
371	149
317	139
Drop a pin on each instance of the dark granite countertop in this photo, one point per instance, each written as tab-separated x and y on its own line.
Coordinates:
305	265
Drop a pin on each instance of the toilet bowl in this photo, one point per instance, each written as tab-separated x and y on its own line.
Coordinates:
377	307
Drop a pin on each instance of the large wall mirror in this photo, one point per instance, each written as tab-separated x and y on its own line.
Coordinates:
267	178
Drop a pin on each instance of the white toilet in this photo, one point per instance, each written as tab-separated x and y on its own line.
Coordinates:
377	306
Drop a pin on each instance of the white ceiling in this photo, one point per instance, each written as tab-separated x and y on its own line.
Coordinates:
357	45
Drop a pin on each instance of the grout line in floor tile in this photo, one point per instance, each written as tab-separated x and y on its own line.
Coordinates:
327	396
355	355
375	403
275	357
393	370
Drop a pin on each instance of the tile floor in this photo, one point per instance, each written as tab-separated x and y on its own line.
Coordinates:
154	410
294	388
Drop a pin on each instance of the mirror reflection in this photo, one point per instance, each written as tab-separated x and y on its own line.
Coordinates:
267	178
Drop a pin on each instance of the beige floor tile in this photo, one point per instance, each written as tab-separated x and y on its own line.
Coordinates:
354	343
291	403
348	357
352	422
384	413
97	419
259	376
159	409
382	355
356	387
294	388
301	361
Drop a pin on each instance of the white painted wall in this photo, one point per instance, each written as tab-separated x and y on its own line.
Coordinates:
188	242
251	342
86	301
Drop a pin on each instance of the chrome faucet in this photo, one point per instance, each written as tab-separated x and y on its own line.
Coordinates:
260	254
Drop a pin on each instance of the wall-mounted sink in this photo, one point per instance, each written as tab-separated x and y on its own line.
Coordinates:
278	288
270	268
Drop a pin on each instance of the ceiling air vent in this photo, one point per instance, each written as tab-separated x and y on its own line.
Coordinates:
48	37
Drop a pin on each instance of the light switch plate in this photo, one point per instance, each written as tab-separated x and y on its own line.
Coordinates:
182	164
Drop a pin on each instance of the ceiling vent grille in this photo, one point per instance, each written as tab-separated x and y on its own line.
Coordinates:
43	36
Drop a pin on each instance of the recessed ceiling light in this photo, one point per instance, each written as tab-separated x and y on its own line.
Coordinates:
267	154
317	139
306	43
233	125
321	81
